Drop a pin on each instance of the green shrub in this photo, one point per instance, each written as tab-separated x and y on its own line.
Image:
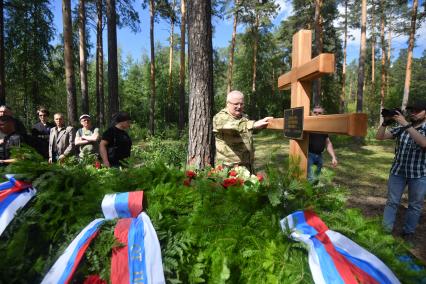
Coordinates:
208	233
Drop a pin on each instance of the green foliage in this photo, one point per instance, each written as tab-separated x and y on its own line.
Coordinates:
208	233
99	253
157	150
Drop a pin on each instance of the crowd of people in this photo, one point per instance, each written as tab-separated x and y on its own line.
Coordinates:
57	141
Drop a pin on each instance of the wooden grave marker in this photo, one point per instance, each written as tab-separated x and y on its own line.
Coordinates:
304	70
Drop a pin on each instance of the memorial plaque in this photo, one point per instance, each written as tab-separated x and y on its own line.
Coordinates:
293	123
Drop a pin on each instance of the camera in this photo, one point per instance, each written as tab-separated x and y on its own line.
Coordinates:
388	113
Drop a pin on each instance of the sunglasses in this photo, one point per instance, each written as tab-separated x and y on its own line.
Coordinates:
318	112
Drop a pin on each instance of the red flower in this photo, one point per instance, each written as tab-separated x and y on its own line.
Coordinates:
190	174
187	182
230	182
260	177
232	173
94	279
97	165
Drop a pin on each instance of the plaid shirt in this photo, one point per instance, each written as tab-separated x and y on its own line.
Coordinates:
410	158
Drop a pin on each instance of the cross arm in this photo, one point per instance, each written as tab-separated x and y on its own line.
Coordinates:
353	124
317	67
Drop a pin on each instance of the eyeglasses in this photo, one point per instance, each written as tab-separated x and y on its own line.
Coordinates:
318	112
236	104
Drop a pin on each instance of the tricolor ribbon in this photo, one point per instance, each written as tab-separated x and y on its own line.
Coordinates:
334	258
137	260
14	195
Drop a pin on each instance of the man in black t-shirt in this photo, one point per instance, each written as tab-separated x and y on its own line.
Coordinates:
41	131
116	144
317	143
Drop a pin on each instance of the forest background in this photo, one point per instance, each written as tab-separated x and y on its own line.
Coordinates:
154	88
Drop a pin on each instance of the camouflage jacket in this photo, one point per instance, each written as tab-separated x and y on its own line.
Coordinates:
234	140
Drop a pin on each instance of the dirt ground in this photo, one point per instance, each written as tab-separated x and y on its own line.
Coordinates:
364	172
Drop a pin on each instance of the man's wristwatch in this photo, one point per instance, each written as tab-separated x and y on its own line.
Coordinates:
407	126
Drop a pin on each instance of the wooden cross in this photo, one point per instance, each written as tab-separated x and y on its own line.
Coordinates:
299	79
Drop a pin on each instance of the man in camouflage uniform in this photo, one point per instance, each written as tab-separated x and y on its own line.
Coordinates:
234	133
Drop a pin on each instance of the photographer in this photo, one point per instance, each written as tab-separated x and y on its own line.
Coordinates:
409	165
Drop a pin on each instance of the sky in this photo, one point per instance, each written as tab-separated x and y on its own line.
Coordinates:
138	44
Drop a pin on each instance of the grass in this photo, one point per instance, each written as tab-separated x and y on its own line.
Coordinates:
362	171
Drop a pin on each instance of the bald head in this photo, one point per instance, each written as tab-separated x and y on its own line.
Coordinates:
235	103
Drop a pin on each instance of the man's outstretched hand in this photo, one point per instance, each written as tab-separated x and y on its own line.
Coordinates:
262	123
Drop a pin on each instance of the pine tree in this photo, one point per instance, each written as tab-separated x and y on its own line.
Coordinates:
200	148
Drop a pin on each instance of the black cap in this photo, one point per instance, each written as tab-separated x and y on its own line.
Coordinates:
120	117
417	104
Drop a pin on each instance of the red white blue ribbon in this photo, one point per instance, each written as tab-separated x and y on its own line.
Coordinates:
122	205
138	261
64	268
334	258
14	195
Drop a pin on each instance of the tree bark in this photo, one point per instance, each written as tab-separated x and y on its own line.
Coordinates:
232	49
388	59
201	142
152	74
112	58
383	67
100	98
2	61
410	55
362	54
182	68
69	67
170	86
345	45
318	48
255	44
373	43
83	57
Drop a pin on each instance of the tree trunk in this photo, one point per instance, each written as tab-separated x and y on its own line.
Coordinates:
388	59
232	49
345	45
255	44
182	67
318	49
152	98
362	54
69	67
112	58
410	55
170	87
2	61
383	67
201	142
83	60
373	44
100	99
